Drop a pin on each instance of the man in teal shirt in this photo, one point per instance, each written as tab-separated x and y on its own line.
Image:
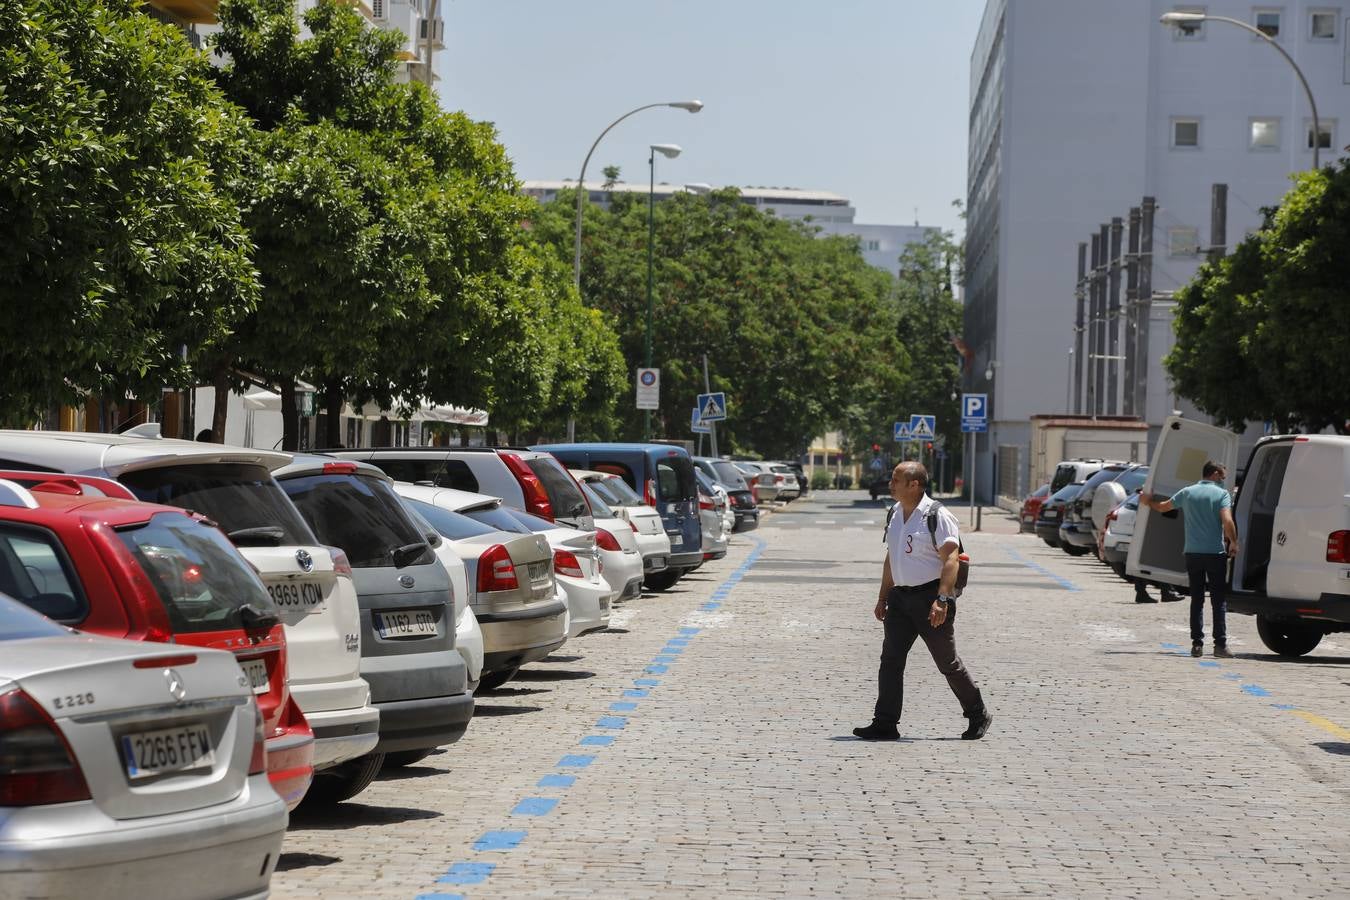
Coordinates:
1207	511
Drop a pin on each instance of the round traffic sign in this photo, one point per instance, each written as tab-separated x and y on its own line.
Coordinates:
648	378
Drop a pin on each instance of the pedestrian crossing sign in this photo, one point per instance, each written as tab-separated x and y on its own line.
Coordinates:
698	425
902	432
922	428
712	407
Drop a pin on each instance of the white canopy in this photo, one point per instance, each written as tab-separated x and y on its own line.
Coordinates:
270	401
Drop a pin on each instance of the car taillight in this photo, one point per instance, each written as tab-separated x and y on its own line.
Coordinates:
649	493
565	563
257	761
778	479
341	564
339	468
704	501
607	541
37	766
536	498
1338	547
496	572
754	493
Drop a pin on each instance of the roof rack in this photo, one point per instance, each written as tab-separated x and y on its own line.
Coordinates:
16	495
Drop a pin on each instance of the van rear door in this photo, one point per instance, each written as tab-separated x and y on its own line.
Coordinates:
1157	550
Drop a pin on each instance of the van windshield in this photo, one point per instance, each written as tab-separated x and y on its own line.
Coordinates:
238	496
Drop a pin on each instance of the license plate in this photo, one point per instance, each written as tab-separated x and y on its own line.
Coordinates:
256	670
149	753
1051	515
405	623
539	570
656	562
301	595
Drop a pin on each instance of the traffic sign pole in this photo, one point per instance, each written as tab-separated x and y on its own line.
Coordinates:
712	426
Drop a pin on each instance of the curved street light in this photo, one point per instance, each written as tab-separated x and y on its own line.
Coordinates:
692	106
1189	21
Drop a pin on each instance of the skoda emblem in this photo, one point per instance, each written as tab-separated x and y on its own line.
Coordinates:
305	560
177	689
407	580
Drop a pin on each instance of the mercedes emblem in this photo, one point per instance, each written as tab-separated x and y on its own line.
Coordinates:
305	560
177	689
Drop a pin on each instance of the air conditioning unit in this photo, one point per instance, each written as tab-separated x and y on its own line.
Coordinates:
432	30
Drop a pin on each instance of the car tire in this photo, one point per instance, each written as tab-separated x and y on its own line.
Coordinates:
402	758
662	581
1050	542
1291	639
493	680
1072	550
344	781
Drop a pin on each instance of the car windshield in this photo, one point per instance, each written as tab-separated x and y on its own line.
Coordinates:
599	505
1134	479
563	492
1110	473
243	499
500	518
448	523
360	514
625	495
18	622
730	476
1068	492
203	582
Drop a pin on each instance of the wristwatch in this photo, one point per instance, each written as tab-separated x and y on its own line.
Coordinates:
944	599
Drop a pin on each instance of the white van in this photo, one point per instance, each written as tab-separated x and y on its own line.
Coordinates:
1292	570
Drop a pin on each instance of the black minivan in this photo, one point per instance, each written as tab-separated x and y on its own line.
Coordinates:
664	476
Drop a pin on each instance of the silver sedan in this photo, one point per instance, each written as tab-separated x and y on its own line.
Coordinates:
129	769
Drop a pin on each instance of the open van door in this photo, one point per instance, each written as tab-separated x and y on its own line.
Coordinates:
1157	549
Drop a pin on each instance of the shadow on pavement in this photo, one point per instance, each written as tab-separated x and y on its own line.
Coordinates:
402	773
508	692
555	658
482	709
289	861
899	740
552	675
1337	747
343	816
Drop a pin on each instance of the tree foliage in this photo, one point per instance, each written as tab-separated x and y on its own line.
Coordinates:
118	246
1262	334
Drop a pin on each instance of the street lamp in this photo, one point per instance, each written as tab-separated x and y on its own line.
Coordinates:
1189	21
692	106
669	151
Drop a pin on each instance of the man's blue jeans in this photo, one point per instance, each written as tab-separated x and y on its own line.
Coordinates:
1211	568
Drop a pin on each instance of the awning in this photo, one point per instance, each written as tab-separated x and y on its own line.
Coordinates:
454	415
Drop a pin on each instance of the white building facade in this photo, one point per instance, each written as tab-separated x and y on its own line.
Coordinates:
1079	110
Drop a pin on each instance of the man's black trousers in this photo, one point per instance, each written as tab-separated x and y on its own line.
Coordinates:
906	619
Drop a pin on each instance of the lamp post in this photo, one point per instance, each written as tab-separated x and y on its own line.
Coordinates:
1188	21
669	151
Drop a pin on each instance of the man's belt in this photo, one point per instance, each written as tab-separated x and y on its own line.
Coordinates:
916	588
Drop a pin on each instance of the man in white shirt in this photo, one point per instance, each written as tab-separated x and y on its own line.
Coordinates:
918	584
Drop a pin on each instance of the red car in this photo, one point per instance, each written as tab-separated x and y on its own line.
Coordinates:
1031	507
83	552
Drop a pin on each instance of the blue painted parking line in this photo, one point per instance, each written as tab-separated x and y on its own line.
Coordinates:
575	761
679	641
534	806
1208	664
636	692
689	631
655	670
556	781
467	873
1042	570
664	660
670	649
1255	690
710	606
623	706
1171	646
499	840
597	740
441	897
1233	676
647	682
1284	706
611	722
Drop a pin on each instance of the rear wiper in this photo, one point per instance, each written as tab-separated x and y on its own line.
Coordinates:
259	536
406	554
252	618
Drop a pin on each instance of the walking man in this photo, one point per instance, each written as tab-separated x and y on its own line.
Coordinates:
918	583
1207	513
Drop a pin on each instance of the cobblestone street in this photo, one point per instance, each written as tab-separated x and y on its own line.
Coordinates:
701	748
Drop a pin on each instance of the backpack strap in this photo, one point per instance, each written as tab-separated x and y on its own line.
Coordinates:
931	519
885	532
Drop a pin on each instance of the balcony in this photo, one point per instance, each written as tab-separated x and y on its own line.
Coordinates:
187	12
435	29
401	16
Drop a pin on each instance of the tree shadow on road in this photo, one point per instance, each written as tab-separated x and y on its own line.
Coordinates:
1339	748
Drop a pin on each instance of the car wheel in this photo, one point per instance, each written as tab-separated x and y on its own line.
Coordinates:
1288	638
661	581
493	680
403	758
1072	550
1051	542
344	781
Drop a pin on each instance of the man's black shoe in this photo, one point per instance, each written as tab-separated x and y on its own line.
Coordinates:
1197	649
979	724
1141	596
1221	651
877	732
1170	596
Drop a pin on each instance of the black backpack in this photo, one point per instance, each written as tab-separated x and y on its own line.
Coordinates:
963	570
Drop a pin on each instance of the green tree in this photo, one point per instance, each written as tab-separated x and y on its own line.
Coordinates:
118	246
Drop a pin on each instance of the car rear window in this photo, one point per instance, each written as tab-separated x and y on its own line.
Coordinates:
599	505
35	571
18	622
619	469
675	479
239	497
498	518
605	491
1063	476
530	522
360	514
561	487
1134	479
201	579
620	489
446	473
448	523
730	476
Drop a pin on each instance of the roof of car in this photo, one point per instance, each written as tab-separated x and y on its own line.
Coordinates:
113	510
611	447
428	450
79	451
446	498
313	463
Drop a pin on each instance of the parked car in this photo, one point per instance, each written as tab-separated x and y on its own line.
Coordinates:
125	569
712	512
1031	508
527	480
468	633
789	488
93	803
664	476
513	591
233	486
648	529
1293	563
803	483
620	558
1073	471
577	566
742	499
1116	537
1077	533
407	612
766	485
1052	513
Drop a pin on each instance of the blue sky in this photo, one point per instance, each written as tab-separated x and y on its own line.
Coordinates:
867	98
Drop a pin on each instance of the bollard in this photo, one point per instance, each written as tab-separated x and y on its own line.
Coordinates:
979	517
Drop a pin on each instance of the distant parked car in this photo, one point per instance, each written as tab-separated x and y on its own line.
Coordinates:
125	569
712	516
1031	507
648	529
767	487
577	566
468	633
129	769
1052	513
789	487
308	581
742	499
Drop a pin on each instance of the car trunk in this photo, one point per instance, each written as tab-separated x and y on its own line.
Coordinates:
531	559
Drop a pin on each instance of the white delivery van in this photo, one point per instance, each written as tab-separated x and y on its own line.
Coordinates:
1292	513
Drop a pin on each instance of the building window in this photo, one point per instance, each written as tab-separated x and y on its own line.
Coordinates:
1185	134
1322	24
1183	241
379	9
1267	21
1194	31
1326	138
1264	134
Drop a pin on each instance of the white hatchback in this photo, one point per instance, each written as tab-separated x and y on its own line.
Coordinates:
648	529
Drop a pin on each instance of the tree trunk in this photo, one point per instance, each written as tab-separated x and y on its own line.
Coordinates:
332	401
464	435
220	406
290	415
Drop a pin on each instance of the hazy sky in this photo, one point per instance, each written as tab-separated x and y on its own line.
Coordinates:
866	98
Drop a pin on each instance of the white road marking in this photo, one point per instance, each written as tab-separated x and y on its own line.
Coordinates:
813	627
707	619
